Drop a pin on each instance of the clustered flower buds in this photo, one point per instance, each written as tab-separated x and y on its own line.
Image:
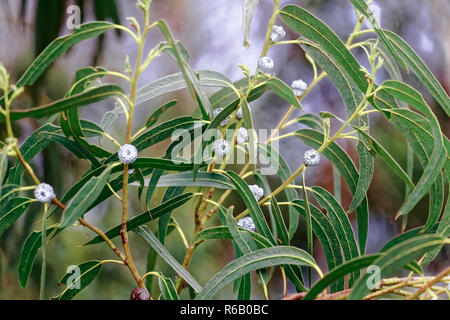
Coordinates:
257	191
221	147
44	193
242	135
311	158
299	87
247	223
127	153
139	293
277	34
265	65
224	122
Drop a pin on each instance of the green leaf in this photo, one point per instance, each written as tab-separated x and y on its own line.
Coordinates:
326	234
311	120
377	148
438	157
310	27
146	217
223	232
148	236
3	165
60	45
13	210
340	223
75	101
76	148
204	179
420	70
84	197
161	163
175	82
277	161
247	16
189	75
339	273
406	236
252	205
29	252
163	221
88	272
344	164
352	97
158	112
279	222
167	288
255	260
30	149
397	257
283	91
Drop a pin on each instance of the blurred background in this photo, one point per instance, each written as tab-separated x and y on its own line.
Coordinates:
211	31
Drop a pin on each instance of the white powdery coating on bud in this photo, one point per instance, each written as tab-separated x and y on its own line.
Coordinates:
257	191
224	122
221	147
247	223
277	34
299	87
242	135
239	113
265	65
311	158
44	193
127	153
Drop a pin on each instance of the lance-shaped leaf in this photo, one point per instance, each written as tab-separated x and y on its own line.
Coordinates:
29	252
75	101
176	81
204	179
283	91
252	205
13	210
263	258
84	197
352	96
397	257
147	216
340	222
437	158
30	149
158	112
153	241
57	47
420	70
347	169
78	278
167	288
326	234
276	161
247	15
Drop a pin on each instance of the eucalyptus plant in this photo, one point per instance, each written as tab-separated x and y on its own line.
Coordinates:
206	148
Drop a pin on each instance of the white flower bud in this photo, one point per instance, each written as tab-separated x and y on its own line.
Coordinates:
265	65
257	191
247	223
221	147
299	87
127	153
242	135
277	34
239	113
44	193
224	122
311	158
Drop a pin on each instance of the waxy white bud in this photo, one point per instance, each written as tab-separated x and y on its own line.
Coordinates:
221	147
247	223
299	87
127	153
257	191
265	65
277	34
44	193
242	135
311	158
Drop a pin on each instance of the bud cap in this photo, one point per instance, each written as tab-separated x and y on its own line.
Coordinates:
311	158
127	153
44	193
